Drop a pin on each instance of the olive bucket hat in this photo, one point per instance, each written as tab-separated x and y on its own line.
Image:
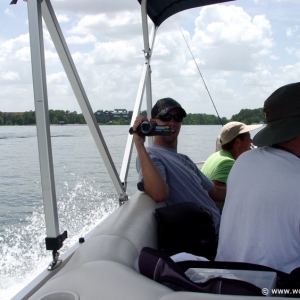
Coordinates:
282	112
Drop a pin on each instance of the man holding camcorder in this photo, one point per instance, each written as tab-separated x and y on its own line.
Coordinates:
166	175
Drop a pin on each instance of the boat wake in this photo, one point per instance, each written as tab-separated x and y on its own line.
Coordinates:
81	206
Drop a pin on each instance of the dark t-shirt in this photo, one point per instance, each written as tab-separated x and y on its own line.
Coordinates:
185	180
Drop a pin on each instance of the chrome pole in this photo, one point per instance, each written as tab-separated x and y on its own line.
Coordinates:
144	81
42	116
78	89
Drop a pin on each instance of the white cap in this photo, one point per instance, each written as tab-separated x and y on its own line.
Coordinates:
232	129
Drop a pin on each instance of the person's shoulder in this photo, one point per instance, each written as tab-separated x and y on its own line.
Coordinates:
151	150
159	151
220	156
185	157
213	156
217	153
251	153
226	155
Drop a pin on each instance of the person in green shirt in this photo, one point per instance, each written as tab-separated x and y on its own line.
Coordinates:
235	139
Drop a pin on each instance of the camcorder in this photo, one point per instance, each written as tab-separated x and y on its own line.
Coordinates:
151	128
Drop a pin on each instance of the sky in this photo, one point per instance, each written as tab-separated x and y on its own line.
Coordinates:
244	49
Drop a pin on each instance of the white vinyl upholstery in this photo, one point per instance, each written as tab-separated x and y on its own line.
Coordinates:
104	267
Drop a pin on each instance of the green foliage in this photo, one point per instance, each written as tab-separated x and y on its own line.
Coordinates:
198	119
17	118
54	120
28	118
144	113
249	116
202	119
65	117
101	118
120	121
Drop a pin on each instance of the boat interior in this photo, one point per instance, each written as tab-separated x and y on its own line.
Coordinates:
103	265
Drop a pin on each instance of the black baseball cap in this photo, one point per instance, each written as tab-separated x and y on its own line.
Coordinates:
163	106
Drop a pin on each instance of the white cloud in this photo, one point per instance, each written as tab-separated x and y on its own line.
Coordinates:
87	7
57	78
9	76
293	51
274	57
110	26
113	52
62	18
23	54
292	72
81	40
9	12
227	38
11	45
241	53
291	31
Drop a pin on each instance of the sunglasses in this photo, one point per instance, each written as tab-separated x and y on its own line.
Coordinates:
168	117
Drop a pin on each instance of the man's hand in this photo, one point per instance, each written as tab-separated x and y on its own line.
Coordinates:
138	140
154	184
217	193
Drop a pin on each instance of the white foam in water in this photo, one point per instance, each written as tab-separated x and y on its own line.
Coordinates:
23	251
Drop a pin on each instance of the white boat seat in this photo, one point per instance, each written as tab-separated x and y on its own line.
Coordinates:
104	267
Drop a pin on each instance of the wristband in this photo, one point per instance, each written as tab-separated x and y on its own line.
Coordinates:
131	131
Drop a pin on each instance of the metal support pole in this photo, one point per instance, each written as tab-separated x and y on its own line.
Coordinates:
145	28
74	79
148	54
42	117
149	100
138	102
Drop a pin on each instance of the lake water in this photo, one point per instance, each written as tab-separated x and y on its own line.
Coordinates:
84	191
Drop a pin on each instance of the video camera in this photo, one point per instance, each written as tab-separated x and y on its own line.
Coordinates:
151	128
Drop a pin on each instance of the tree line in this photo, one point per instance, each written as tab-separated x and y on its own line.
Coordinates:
247	116
55	117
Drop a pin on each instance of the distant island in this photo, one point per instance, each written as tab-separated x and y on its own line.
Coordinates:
123	117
